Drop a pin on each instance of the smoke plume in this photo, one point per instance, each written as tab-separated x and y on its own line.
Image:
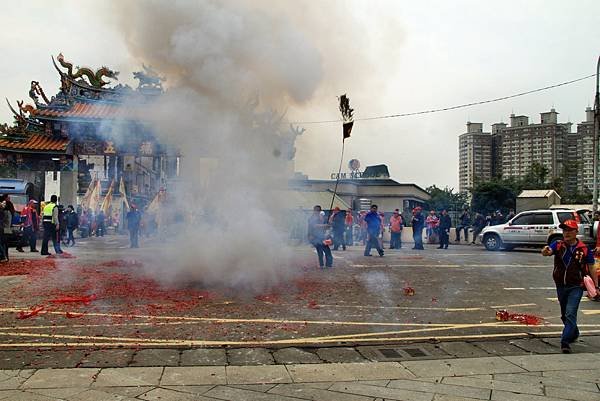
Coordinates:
232	70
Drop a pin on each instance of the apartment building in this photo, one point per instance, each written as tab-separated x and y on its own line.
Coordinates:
581	154
522	144
510	151
475	156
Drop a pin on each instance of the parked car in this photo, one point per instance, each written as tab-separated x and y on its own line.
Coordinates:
20	191
536	228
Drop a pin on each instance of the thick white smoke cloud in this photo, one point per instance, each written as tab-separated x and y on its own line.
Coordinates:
219	59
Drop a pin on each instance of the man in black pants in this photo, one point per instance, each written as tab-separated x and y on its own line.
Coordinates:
418	223
316	236
51	226
338	226
373	228
444	229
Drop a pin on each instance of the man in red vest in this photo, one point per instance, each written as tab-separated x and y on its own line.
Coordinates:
572	259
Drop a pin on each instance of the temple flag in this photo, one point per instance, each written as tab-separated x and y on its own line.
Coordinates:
95	197
123	193
158	200
347	116
85	201
108	199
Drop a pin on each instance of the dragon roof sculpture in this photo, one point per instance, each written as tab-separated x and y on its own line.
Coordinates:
94	79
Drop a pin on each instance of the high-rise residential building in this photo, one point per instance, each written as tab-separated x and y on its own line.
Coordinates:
581	155
475	156
522	144
510	151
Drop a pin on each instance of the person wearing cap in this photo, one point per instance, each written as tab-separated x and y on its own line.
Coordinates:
572	259
418	223
338	226
31	225
373	222
396	224
317	237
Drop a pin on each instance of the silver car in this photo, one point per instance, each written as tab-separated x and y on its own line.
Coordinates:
534	228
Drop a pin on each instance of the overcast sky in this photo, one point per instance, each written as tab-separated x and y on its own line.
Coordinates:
389	57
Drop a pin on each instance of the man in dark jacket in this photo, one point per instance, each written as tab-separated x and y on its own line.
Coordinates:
464	222
316	236
100	224
338	226
418	223
72	222
572	259
444	229
478	226
373	228
134	218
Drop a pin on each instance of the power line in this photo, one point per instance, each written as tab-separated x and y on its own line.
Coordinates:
460	106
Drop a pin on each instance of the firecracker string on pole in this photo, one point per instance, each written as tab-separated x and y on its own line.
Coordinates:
347	123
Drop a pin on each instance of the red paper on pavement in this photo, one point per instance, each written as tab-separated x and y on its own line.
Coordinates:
30	313
69	299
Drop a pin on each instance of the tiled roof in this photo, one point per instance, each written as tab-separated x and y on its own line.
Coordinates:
89	110
37	143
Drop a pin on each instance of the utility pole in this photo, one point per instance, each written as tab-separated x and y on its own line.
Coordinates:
596	134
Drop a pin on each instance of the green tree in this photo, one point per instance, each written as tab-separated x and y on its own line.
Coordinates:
536	177
445	199
496	194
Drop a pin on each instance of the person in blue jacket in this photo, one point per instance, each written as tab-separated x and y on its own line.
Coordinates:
418	223
373	227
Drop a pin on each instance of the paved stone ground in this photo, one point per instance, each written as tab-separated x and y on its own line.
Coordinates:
518	377
118	358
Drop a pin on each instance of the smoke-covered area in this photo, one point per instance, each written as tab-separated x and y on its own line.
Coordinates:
231	73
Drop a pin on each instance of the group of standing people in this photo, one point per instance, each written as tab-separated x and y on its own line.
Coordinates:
58	224
338	231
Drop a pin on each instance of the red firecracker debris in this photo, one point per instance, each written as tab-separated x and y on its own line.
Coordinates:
502	315
17	267
30	313
523	318
434	299
312	304
86	299
409	291
72	315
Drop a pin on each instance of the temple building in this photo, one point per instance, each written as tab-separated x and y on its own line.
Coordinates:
88	130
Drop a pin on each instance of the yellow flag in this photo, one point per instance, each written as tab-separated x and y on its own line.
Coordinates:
85	201
95	196
108	198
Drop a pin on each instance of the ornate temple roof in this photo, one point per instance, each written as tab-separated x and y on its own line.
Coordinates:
88	110
35	143
84	95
